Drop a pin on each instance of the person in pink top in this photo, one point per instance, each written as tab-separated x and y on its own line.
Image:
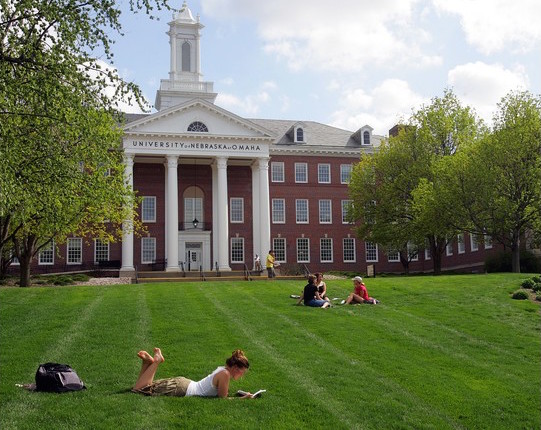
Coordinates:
359	294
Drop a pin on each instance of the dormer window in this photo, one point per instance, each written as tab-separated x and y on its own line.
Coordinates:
366	138
198	127
299	135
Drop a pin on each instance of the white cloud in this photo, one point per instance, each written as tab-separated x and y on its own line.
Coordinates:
381	108
497	25
481	85
248	105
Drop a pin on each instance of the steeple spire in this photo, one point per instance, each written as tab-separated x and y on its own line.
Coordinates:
185	77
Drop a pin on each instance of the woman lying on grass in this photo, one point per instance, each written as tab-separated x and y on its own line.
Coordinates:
214	385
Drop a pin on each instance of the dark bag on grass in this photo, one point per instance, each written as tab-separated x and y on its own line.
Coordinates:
57	378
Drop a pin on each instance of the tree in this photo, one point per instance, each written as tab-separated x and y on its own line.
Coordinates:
496	181
398	181
61	167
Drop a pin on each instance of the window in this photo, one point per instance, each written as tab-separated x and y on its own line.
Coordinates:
427	250
277	171
366	138
193	209
449	248
325	250
46	255
236	206
301	173
346	204
303	250
324	173
237	250
488	241
148	250
186	66
461	244
198	127
393	257
301	210
349	250
279	246
101	250
148	209
299	136
278	211
75	250
345	173
413	252
371	252
474	243
325	212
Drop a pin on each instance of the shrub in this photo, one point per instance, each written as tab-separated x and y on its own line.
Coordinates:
536	279
527	284
521	295
538	297
501	262
536	287
80	277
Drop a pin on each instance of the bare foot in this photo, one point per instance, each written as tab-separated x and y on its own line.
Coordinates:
145	356
158	355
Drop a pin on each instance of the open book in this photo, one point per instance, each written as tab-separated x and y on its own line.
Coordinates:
253	396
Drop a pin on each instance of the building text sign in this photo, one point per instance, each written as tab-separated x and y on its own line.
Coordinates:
212	148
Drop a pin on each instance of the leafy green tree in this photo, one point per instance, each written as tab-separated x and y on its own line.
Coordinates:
61	167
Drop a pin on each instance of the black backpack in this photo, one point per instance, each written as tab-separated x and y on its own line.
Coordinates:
57	378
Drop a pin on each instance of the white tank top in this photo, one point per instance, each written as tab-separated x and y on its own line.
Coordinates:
204	387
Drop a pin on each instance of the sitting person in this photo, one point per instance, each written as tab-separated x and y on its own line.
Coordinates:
359	294
214	385
311	296
321	286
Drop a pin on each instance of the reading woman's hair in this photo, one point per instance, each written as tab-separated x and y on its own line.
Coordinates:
238	359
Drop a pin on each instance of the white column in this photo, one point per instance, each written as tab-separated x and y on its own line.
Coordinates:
264	211
127	267
172	214
166	231
215	226
256	214
223	215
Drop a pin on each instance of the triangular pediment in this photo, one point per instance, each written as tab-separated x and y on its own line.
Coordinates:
176	120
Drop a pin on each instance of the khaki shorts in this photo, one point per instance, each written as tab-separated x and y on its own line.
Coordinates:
176	387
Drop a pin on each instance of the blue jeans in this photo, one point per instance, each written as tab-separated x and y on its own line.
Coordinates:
316	303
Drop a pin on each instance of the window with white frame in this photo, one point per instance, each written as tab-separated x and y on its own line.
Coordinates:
301	211
427	250
325	212
488	241
237	250
148	250
303	250
325	250
236	209
345	173
371	251
301	173
279	247
278	211
299	135
449	248
74	250
46	254
101	250
474	243
460	243
350	256
324	173
346	205
148	209
366	138
393	257
413	252
277	171
193	209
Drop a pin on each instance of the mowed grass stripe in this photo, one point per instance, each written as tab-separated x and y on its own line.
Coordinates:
355	364
322	400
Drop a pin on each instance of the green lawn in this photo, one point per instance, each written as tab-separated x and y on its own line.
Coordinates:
437	353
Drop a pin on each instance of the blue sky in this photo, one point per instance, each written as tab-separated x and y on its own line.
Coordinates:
346	63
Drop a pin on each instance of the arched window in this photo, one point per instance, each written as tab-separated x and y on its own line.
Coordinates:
198	127
366	138
300	135
186	57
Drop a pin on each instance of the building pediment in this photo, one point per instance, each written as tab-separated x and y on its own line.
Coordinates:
197	119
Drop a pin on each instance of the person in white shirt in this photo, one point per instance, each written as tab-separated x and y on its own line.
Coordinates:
214	385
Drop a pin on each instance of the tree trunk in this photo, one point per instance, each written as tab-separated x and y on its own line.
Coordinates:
24	280
25	252
515	254
405	263
436	249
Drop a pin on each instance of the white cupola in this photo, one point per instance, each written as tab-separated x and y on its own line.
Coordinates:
185	77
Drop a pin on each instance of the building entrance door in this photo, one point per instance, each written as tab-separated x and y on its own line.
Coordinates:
193	256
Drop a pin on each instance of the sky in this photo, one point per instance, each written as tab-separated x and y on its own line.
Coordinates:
345	63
